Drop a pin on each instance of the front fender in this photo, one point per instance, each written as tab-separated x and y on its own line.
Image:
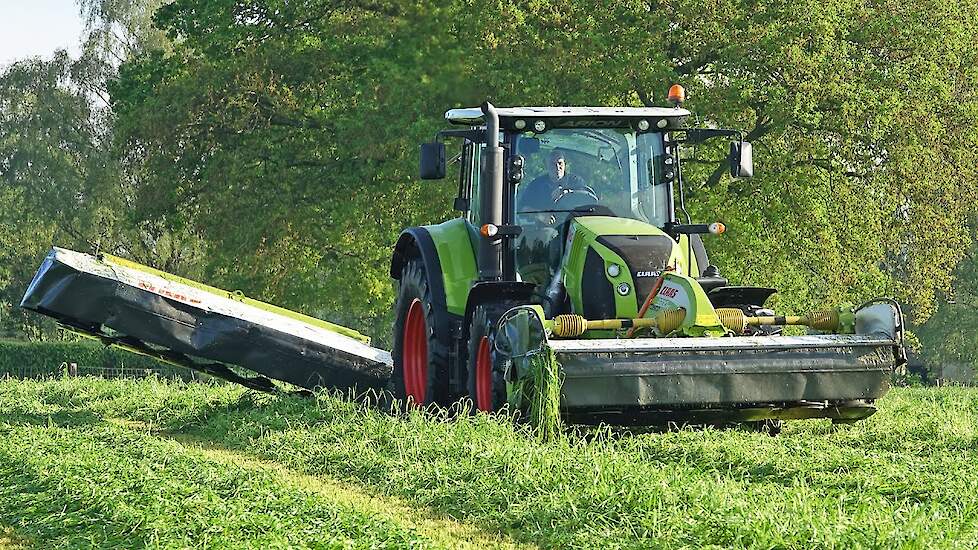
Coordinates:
449	259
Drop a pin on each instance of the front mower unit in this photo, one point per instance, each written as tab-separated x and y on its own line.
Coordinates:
712	379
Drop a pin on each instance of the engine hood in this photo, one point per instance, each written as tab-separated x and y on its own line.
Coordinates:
612	263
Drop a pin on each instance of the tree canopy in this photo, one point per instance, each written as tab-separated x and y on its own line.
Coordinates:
270	145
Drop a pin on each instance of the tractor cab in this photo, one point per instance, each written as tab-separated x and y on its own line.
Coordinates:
560	163
579	172
609	173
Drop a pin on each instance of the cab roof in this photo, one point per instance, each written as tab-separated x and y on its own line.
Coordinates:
470	116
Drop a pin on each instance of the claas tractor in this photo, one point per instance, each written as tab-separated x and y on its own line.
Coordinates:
567	284
568	249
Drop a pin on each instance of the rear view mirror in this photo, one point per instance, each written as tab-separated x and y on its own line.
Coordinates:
432	161
741	159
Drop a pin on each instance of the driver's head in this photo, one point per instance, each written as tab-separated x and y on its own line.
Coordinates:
557	165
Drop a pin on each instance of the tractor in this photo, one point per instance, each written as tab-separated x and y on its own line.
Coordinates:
568	244
567	280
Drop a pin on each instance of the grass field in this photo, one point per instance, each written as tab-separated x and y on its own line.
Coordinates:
95	463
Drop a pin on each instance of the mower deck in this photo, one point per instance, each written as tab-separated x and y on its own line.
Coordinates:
179	321
725	379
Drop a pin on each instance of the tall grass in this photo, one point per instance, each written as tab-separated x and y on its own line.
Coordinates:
545	399
903	478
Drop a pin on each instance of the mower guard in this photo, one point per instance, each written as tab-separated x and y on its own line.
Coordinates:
182	322
715	379
737	378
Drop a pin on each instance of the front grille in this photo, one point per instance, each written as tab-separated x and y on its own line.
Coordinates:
644	254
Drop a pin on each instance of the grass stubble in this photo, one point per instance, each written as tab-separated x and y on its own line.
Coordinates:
87	462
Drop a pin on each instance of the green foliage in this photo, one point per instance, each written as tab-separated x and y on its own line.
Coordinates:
949	339
857	190
902	478
53	176
270	145
47	358
303	118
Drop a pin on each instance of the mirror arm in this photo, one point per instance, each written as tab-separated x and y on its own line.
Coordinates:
477	136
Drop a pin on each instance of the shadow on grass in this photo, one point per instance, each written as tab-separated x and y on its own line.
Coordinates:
40	510
61	419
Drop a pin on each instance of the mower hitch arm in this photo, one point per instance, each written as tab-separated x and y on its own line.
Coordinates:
676	229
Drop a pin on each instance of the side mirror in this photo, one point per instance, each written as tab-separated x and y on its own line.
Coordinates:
741	159
433	161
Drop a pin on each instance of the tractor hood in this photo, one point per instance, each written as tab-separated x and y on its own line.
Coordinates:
611	263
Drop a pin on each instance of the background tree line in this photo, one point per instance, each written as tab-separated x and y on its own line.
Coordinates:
270	145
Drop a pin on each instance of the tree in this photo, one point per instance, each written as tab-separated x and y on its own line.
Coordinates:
950	337
270	145
60	180
305	118
863	118
307	114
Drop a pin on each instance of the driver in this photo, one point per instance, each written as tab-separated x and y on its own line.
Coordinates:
538	248
547	189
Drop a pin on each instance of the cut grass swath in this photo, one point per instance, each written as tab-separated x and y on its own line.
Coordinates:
101	486
545	396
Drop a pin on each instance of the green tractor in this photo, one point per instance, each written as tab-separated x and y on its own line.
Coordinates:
568	288
568	247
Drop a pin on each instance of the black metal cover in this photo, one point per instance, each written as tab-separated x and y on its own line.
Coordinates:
145	311
645	255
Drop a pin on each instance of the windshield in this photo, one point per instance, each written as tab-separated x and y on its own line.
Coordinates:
602	172
616	169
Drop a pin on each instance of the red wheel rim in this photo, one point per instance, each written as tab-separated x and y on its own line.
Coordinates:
415	353
483	376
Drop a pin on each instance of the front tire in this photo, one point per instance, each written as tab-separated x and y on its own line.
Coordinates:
420	354
486	372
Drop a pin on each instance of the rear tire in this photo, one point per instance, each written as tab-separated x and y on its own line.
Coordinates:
486	374
420	355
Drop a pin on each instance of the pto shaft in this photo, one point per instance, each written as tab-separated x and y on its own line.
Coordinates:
572	326
734	320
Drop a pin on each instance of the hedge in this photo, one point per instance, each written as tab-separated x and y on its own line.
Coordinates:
21	359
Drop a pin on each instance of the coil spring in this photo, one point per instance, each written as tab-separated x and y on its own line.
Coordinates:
670	319
732	319
824	320
569	326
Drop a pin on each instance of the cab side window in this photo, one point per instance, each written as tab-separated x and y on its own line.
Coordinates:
471	172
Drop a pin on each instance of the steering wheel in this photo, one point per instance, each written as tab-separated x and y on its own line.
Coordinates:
577	194
581	201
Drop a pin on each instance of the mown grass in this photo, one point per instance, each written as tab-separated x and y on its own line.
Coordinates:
74	475
903	478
